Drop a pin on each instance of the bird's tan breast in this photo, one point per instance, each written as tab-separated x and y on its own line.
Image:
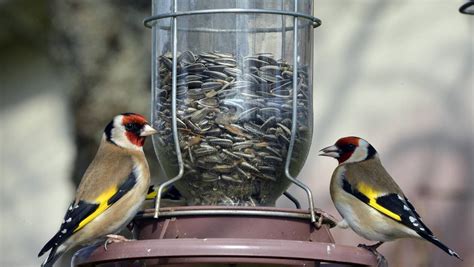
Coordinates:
110	167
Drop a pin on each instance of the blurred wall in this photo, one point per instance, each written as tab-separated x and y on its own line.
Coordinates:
36	148
398	73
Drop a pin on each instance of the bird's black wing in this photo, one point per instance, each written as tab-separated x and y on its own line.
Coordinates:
74	215
391	205
402	207
80	214
396	207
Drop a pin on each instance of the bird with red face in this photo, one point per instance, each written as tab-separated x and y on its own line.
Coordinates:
369	200
111	191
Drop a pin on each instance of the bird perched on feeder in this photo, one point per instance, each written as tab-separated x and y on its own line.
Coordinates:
369	200
111	191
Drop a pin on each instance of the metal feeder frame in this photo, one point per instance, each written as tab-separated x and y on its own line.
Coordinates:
315	22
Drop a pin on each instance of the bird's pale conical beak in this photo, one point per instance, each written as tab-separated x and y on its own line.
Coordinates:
330	151
147	130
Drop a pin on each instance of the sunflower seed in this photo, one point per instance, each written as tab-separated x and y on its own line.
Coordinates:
234	120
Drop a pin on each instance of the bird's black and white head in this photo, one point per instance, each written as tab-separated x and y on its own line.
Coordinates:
128	130
350	149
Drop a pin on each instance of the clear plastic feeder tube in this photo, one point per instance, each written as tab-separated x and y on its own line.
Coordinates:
232	97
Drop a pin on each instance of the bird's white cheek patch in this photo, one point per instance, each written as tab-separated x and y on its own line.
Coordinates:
359	154
118	135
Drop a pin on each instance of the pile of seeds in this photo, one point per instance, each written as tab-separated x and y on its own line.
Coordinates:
234	126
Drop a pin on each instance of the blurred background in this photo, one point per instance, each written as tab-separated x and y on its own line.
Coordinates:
398	73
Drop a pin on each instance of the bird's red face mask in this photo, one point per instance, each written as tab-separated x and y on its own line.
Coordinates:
136	128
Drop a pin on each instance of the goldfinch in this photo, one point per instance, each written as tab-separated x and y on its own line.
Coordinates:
111	191
369	200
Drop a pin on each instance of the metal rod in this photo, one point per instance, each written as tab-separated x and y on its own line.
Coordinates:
174	125
153	80
257	30
316	22
283	32
295	117
205	212
292	199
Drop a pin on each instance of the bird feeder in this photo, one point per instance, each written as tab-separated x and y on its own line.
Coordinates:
232	102
232	97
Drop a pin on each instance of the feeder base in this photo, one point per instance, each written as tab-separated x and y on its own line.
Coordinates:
220	236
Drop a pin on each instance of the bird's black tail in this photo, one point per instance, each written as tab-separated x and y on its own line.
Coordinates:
54	254
52	257
438	243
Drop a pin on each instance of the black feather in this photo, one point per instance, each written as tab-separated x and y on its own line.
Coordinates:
431	238
52	258
349	189
108	132
124	188
151	189
172	193
394	203
371	152
402	207
74	215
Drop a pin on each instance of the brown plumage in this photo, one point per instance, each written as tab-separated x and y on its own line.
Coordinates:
118	164
112	189
372	173
112	163
369	200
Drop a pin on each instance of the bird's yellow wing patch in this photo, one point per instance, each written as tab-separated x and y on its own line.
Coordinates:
372	196
152	193
102	200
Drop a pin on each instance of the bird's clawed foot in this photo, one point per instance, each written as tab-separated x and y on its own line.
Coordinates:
324	217
381	261
115	239
372	248
130	226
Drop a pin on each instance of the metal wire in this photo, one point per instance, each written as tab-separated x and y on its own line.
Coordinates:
283	33
147	22
174	123
292	199
211	212
295	117
257	30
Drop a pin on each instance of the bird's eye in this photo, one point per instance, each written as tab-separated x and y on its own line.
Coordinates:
351	147
129	126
